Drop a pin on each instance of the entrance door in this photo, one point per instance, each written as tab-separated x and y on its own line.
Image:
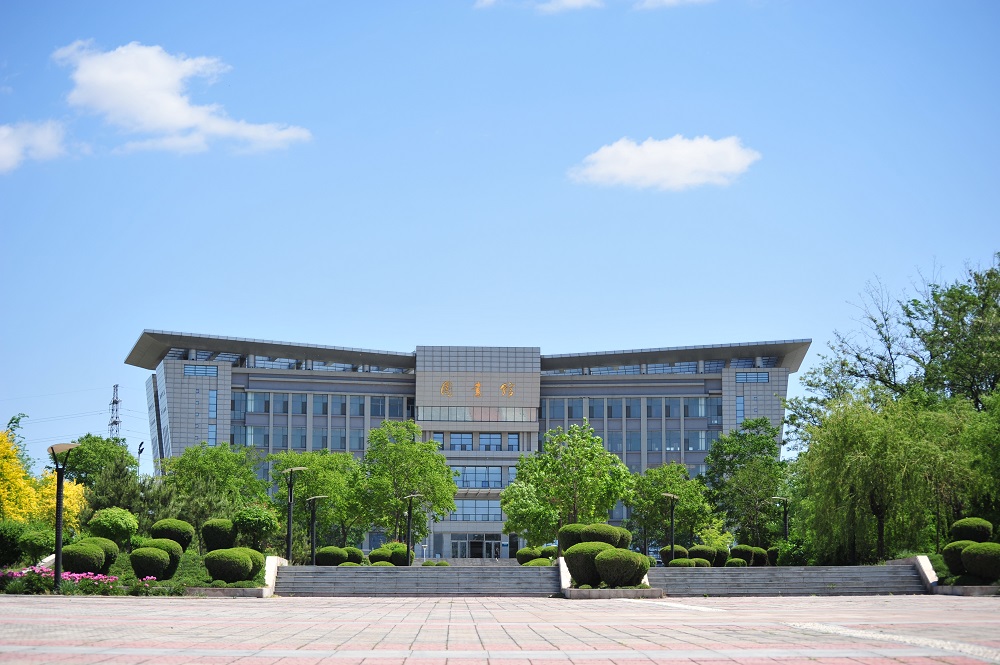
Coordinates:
475	549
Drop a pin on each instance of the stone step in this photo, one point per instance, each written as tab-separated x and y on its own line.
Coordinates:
791	580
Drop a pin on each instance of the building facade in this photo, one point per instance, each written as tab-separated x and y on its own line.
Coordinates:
485	406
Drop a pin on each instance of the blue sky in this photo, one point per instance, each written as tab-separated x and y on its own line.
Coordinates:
578	175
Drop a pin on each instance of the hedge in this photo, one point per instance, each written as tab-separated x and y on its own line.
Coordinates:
550	551
36	545
540	561
379	555
10	531
759	557
681	563
772	556
620	567
381	563
744	552
351	563
254	523
526	554
149	562
354	555
972	528
701	563
952	554
736	562
331	556
679	553
83	558
428	562
570	535
178	531
580	561
721	556
443	563
109	548
218	534
983	560
256	560
115	524
228	565
173	550
702	552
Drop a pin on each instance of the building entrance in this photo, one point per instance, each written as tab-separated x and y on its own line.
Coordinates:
475	545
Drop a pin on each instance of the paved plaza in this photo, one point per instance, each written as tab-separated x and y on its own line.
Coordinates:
500	631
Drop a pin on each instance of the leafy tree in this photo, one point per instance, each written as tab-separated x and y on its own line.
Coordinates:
14	427
95	453
74	501
156	501
529	515
17	492
115	485
202	501
650	510
232	471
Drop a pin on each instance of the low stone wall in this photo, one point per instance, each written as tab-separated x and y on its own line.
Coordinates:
590	594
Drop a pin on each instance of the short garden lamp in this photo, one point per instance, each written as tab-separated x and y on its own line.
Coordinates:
784	501
409	523
291	483
312	522
673	501
60	449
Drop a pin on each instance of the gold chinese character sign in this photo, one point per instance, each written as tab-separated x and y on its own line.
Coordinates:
507	389
446	389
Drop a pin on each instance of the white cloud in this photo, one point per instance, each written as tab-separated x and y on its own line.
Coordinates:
29	140
555	6
676	163
657	4
142	90
482	4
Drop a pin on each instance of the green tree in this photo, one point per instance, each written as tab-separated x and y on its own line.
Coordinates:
529	515
232	470
14	428
398	464
649	518
18	498
117	484
94	454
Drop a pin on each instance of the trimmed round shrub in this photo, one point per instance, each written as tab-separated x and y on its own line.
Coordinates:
331	556
218	534
570	535
983	560
36	544
701	563
736	562
443	563
109	548
679	553
744	552
428	562
228	565
620	567
256	560
604	533
772	556
540	561
397	552
952	554
173	550
356	565
759	557
972	528
10	531
83	558
116	524
580	561
702	552
681	563
721	556
178	531
526	554
354	555
149	562
379	554
652	561
254	523
382	563
550	551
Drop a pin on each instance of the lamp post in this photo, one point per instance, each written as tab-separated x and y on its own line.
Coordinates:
409	522
312	523
57	450
673	501
291	483
784	501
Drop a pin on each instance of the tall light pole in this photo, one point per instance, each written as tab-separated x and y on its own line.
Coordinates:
312	523
57	450
291	483
673	500
409	523
784	501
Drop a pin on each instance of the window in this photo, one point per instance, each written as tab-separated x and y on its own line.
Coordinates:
280	402
395	407
320	405
654	441
695	470
319	438
513	442
357	439
299	404
574	408
752	377
489	442
201	370
357	406
511	474
673	439
633	442
595	410
338	405
478	476
213	403
699	440
694	407
672	407
615	442
212	435
238	435
633	408
654	407
258	402
713	407
614	408
257	436
439	437
299	438
280	438
470	510
411	409
377	406
740	410
338	438
238	406
557	409
461	441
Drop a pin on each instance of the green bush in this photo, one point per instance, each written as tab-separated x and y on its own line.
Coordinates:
228	565
652	561
443	563
358	565
744	552
331	556
736	562
681	563
218	534
256	560
115	524
952	554
540	561
178	531
550	551
700	562
972	528
397	553
173	550
354	555
83	558
570	535
620	567
793	553
679	553
36	544
381	563
526	554
772	556
603	533
109	548
254	523
759	556
428	562
702	552
983	560
721	556
10	531
379	555
580	561
149	562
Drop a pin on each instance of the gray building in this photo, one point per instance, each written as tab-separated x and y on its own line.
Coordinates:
485	406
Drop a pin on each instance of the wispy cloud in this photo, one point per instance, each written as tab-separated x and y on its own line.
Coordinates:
142	91
29	140
670	164
556	6
658	4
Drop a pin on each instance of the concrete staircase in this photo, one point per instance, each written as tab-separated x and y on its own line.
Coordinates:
788	581
417	581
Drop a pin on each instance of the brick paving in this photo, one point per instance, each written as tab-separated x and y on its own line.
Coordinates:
865	630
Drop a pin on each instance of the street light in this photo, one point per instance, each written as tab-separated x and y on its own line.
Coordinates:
673	500
291	483
409	523
312	522
784	501
57	450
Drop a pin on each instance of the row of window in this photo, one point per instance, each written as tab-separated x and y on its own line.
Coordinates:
488	477
201	370
337	405
631	407
752	377
488	441
296	438
660	440
476	510
480	414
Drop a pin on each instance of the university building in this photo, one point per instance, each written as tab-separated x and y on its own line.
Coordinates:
485	406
